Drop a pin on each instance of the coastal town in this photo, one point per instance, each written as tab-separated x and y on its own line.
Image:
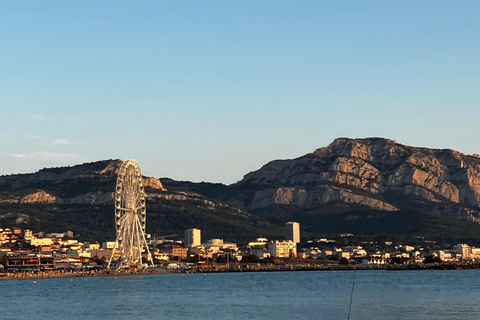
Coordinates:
236	160
23	252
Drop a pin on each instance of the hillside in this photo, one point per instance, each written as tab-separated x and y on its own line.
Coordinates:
80	198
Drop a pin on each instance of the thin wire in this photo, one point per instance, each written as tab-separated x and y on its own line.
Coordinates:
353	287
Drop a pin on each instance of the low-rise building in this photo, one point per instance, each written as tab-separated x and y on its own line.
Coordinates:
108	244
91	246
27	235
176	251
282	249
68	263
215	247
100	253
29	261
67	242
41	241
344	254
262	254
160	255
378	258
326	254
44	248
58	235
259	242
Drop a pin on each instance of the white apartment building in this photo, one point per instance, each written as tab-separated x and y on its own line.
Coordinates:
444	255
474	253
214	246
464	250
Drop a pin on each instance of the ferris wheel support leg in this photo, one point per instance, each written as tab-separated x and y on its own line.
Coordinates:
115	247
150	260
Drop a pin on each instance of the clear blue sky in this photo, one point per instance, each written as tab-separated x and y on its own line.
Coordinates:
211	90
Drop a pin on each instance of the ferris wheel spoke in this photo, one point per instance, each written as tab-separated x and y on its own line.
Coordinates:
131	209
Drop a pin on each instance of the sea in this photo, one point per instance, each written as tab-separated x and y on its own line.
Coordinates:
376	294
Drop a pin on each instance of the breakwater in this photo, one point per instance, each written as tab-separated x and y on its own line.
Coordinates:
333	267
242	268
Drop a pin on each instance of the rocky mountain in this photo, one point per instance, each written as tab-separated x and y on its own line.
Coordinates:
356	176
81	199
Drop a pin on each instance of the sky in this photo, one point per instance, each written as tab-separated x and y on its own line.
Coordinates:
212	90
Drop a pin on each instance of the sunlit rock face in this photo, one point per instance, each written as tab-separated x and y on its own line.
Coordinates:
85	184
28	197
153	183
373	173
38	197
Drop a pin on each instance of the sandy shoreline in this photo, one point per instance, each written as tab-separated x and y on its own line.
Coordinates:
84	275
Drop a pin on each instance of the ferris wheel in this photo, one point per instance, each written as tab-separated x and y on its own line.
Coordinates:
130	218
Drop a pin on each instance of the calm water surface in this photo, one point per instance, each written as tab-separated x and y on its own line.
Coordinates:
274	295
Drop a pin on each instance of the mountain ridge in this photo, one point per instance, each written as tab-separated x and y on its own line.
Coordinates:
351	185
364	172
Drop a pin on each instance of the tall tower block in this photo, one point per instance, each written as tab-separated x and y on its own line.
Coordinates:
193	238
292	231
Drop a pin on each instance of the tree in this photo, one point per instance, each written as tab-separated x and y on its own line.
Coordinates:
250	258
4	260
193	258
100	261
432	259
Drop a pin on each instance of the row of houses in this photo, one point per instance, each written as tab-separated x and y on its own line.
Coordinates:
403	253
60	250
